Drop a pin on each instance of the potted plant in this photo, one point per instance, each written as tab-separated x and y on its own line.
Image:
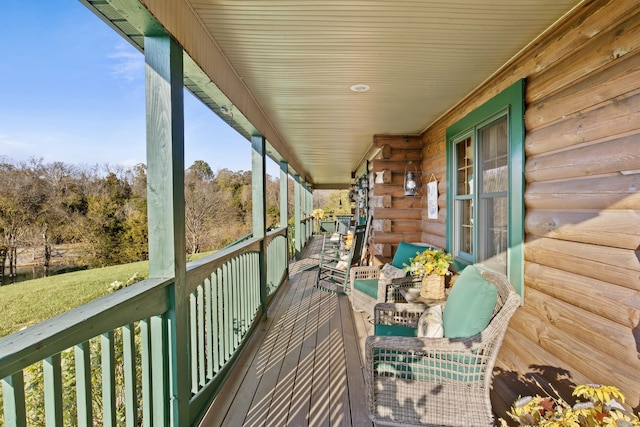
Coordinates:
433	265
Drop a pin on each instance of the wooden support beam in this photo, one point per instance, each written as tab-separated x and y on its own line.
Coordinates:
297	215
166	212
284	194
259	203
258	193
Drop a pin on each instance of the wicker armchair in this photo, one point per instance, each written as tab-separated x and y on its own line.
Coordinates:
361	301
434	381
365	297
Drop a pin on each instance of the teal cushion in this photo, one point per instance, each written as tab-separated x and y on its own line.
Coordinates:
395	331
425	366
470	305
405	251
367	286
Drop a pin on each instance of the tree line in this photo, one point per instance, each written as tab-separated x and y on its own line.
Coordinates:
102	210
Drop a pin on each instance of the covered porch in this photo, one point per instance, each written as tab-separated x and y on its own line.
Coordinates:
345	97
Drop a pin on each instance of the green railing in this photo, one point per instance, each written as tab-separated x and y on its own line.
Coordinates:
306	231
277	261
108	362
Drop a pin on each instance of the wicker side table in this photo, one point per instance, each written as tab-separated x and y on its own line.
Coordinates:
412	295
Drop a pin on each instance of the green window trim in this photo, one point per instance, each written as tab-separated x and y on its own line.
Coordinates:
510	100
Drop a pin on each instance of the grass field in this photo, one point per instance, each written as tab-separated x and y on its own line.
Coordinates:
26	303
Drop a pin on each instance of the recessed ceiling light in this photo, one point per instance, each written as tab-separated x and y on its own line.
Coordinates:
360	88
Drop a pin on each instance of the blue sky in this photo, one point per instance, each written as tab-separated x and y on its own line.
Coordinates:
72	90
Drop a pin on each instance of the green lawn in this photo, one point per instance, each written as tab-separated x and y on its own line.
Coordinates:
27	303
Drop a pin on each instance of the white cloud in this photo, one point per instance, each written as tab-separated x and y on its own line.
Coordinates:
8	143
130	162
128	62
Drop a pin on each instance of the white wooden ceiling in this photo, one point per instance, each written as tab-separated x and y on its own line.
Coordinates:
297	60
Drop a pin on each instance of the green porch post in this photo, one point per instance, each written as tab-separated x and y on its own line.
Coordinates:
259	202
284	203
165	199
309	209
303	213
284	194
296	215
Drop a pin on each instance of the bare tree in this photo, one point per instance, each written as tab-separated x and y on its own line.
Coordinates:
207	207
22	200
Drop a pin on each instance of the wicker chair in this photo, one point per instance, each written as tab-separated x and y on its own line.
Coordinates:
365	301
434	381
360	301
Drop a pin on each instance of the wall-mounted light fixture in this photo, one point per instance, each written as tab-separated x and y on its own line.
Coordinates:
353	193
410	179
228	112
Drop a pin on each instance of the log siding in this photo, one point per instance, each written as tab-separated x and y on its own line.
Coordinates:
581	318
395	217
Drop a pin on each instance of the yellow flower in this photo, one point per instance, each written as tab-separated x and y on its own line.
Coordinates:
563	418
429	261
318	214
526	410
620	419
602	409
598	393
585	409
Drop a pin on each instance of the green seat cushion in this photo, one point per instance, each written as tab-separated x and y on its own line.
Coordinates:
405	251
470	305
395	331
367	286
426	367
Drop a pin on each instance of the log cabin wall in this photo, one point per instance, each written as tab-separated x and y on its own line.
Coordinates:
395	217
581	313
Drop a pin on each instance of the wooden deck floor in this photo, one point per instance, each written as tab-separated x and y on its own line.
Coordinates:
304	366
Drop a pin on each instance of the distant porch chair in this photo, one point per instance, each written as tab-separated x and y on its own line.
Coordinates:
327	226
336	260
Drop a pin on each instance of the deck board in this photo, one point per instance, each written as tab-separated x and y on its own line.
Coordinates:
304	365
